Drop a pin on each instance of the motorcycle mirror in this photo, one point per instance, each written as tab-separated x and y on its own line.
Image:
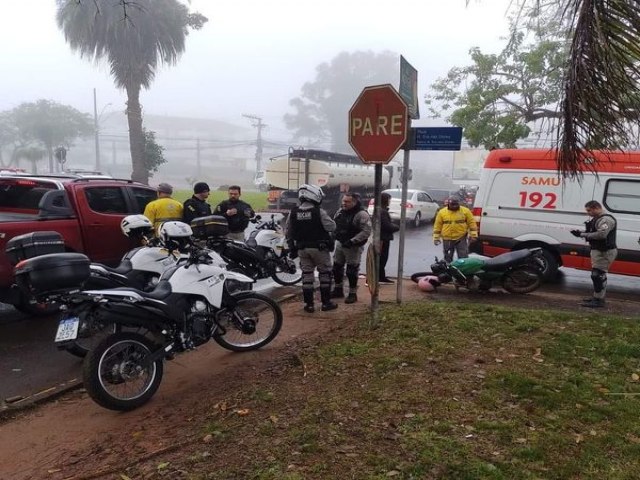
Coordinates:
258	217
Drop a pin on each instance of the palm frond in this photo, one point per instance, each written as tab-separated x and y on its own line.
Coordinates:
600	97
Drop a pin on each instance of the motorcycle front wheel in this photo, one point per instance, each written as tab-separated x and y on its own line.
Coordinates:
252	323
521	280
116	375
287	272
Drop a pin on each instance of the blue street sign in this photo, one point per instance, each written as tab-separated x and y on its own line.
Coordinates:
435	138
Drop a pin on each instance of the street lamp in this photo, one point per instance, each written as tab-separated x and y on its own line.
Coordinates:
96	127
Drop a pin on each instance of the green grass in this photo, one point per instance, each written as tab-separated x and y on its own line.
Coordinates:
257	200
445	392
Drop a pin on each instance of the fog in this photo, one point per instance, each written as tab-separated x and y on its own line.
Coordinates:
252	57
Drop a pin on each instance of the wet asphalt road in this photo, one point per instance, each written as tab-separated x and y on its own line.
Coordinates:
30	363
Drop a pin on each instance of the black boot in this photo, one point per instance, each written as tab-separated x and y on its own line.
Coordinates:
325	296
338	291
351	298
307	295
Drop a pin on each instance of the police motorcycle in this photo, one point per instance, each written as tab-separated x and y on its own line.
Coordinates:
140	268
518	272
190	305
263	255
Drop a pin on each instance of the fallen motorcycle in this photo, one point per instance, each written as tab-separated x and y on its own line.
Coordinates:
517	272
189	306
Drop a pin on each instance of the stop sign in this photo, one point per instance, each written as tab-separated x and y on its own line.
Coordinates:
378	124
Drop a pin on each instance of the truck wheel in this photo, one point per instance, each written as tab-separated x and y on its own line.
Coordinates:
550	270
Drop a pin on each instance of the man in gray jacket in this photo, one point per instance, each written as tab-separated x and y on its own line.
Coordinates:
601	234
309	235
353	228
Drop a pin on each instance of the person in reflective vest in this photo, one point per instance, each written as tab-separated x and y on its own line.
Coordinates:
309	235
164	209
600	233
454	227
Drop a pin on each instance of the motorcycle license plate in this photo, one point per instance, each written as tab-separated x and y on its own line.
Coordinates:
67	329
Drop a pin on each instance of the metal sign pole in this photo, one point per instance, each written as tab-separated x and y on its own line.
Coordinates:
403	213
374	267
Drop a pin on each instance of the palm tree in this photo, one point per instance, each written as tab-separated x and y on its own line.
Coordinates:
600	96
135	37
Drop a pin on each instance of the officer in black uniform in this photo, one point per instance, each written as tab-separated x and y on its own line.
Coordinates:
197	205
309	235
353	228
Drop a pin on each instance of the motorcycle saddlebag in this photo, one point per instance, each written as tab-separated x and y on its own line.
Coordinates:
211	226
54	272
32	245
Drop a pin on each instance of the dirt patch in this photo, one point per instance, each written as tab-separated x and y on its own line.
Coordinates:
73	438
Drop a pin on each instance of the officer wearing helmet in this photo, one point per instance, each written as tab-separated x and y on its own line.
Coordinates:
309	235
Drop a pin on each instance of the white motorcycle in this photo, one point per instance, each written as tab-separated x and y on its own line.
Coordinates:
263	255
140	268
190	305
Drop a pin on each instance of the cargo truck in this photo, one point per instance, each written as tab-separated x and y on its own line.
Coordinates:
336	173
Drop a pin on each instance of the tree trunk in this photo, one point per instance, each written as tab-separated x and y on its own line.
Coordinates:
136	137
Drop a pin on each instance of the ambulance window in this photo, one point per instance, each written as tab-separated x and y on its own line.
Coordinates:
623	196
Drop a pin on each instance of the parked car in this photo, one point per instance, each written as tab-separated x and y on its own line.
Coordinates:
86	211
420	206
439	195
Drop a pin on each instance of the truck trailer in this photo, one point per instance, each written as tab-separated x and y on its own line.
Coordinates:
336	173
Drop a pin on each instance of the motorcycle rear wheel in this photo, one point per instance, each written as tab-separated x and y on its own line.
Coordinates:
254	311
521	280
114	375
282	276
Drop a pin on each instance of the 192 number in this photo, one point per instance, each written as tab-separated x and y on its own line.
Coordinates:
538	200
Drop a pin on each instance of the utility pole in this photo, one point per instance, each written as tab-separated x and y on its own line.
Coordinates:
96	129
257	123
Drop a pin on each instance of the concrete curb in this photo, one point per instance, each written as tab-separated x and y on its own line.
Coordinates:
11	406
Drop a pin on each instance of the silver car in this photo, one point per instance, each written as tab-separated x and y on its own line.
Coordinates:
420	206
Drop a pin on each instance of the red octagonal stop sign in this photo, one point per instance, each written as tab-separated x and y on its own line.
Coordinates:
378	124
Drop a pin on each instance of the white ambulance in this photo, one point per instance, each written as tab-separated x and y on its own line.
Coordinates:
523	203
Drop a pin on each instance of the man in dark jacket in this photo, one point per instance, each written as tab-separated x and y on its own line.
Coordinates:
236	212
353	227
387	229
601	235
197	205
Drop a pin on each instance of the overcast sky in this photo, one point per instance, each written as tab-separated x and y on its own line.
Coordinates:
251	57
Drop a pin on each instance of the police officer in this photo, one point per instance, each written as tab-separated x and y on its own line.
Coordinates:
308	232
197	205
353	227
601	235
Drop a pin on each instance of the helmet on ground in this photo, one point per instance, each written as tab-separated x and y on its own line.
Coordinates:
312	193
175	235
428	283
136	226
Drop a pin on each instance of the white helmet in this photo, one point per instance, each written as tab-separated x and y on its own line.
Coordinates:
313	193
133	225
175	235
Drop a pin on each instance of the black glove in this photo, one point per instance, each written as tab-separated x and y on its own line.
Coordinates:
293	253
347	244
576	233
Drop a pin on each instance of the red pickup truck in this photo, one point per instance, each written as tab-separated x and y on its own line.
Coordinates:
85	211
